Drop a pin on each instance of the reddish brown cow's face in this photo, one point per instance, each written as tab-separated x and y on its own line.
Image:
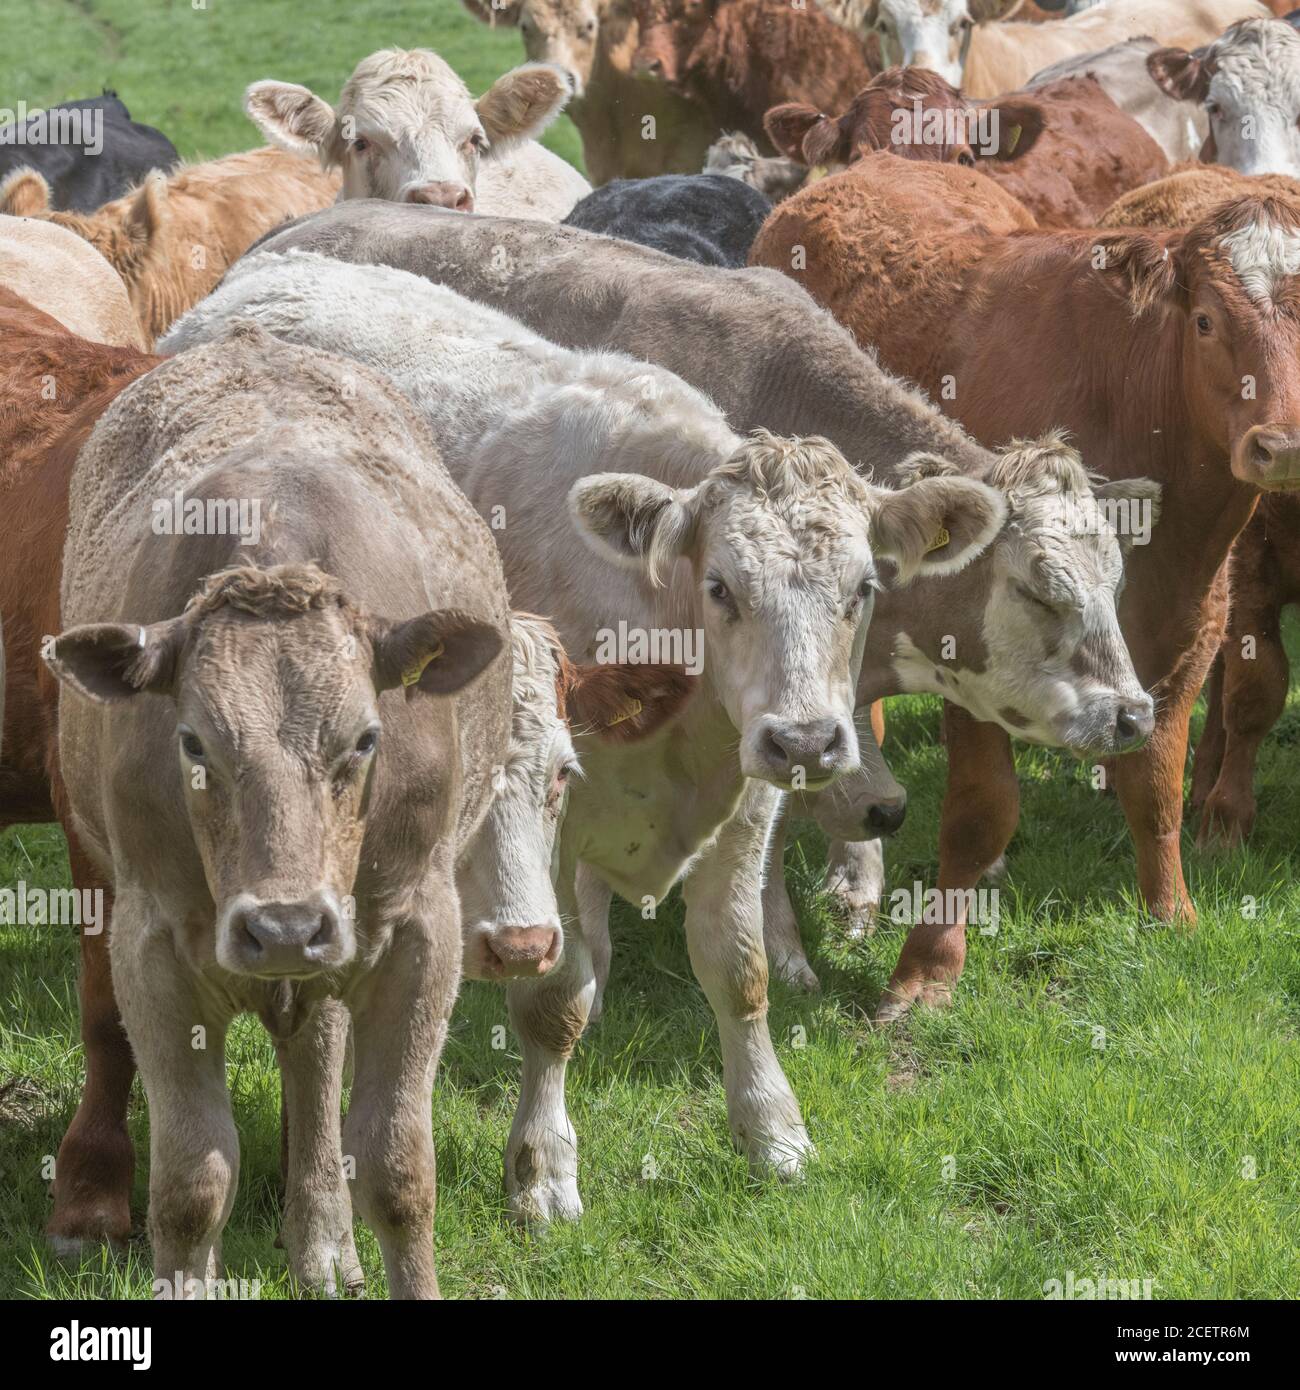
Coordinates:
669	31
1234	281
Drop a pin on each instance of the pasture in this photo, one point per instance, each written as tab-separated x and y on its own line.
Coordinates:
1108	1097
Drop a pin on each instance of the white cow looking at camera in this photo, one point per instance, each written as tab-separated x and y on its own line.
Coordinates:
764	547
407	130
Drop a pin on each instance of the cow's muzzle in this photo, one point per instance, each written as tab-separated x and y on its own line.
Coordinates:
273	939
1268	457
510	953
809	753
455	196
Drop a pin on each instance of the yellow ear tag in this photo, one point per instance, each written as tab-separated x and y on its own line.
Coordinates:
1015	139
939	541
630	713
413	673
818	171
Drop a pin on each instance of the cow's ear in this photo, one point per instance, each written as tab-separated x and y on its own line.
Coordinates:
502	14
520	105
107	662
437	653
935	526
788	124
294	118
1179	74
147	211
637	521
624	703
1131	490
1141	268
1020	123
24	193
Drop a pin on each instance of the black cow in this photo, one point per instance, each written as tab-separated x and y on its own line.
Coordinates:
79	180
708	218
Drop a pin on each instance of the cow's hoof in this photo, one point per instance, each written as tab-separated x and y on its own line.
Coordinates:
896	1002
797	973
72	1234
543	1202
1221	831
330	1270
858	911
784	1156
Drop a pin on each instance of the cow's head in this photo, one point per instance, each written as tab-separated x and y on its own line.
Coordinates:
406	128
933	34
911	112
1055	668
782	541
562	32
1232	281
276	679
507	878
668	31
1248	81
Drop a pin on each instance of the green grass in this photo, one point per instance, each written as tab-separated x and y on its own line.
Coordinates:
974	1153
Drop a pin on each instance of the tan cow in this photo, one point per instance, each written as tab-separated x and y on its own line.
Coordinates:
407	130
282	815
172	238
974	47
54	270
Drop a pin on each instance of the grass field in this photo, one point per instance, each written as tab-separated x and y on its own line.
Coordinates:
974	1153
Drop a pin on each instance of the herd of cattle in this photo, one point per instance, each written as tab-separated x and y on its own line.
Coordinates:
906	345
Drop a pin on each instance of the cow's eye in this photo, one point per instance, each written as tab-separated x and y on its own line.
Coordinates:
1212	108
360	145
966	159
367	743
719	592
191	745
1203	325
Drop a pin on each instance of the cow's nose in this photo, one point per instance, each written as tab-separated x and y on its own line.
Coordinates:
653	66
885	817
519	952
1134	722
1269	456
274	938
455	196
818	746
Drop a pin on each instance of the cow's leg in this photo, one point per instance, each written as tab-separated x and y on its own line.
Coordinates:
178	1034
980	809
1254	696
595	898
549	1015
317	1206
399	1016
724	932
785	953
1208	758
855	878
96	1161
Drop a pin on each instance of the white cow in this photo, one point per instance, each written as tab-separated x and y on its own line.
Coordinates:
1248	84
971	43
407	130
757	555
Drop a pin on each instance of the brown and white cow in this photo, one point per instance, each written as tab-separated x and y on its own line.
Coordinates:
1248	684
791	365
756	555
172	238
54	270
974	47
734	59
282	825
1248	84
630	128
407	129
1066	151
1171	353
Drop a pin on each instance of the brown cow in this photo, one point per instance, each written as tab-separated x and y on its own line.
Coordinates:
1066	151
40	433
1248	685
738	58
172	238
1138	343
